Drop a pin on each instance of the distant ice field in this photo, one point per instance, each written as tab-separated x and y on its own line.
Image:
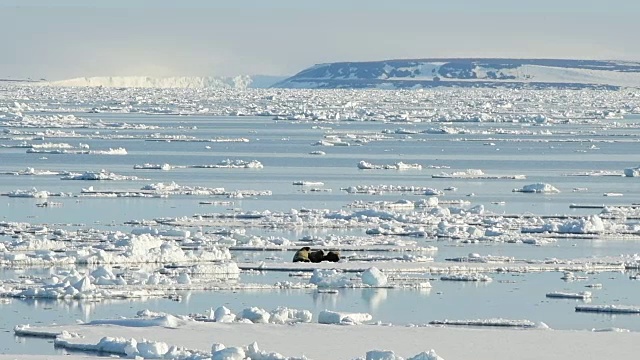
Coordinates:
283	147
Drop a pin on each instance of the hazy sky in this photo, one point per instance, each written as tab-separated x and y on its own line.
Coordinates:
58	39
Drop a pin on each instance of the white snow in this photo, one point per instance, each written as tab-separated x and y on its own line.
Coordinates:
356	341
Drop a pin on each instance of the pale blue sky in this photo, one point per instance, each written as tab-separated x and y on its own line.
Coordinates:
71	38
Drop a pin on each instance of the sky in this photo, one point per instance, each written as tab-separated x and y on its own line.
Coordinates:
61	39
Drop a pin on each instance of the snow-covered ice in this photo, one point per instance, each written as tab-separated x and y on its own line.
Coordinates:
567	295
538	188
193	336
616	309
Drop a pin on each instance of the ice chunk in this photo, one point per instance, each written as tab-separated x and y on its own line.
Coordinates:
223	314
255	315
283	315
230	353
632	172
374	277
342	318
565	295
619	309
329	278
538	188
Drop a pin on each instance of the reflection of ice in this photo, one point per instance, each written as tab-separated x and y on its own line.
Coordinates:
424	291
327	299
374	297
186	296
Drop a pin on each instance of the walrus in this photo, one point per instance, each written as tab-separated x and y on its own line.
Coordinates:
316	256
302	255
333	256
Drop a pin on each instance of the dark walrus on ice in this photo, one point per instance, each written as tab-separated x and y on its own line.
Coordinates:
306	255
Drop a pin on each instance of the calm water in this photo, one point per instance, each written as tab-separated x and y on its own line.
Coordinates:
283	148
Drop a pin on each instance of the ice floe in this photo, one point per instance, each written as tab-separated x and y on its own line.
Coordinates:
100	175
33	193
110	151
374	277
230	164
475	174
173	336
497	322
363	165
308	183
29	171
144	248
617	309
330	278
538	188
466	277
148	166
589	225
567	295
632	172
342	318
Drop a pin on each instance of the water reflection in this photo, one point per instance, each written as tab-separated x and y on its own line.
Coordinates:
328	300
82	308
374	297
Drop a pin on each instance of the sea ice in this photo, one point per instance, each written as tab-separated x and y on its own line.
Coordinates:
363	165
330	278
147	166
566	295
632	172
390	355
496	322
466	277
342	318
617	309
538	188
101	175
374	277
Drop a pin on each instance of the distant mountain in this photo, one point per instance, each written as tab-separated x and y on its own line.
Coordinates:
471	72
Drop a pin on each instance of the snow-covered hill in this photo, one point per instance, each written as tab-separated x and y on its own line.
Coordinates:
517	73
151	82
